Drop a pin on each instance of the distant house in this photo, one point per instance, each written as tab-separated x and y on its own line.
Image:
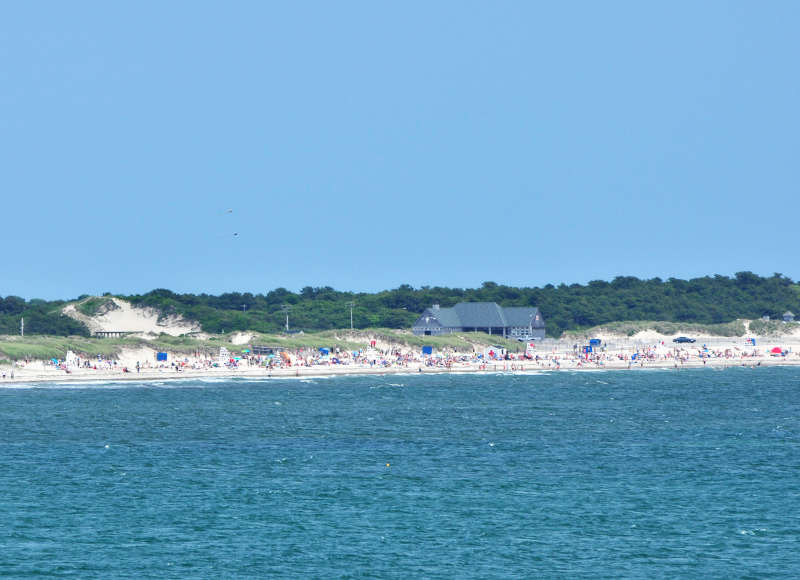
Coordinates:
523	322
788	316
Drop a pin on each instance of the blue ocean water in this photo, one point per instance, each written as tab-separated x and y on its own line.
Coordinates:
601	474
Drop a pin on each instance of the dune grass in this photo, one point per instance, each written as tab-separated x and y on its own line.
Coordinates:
772	327
629	328
464	341
181	344
311	340
45	347
92	305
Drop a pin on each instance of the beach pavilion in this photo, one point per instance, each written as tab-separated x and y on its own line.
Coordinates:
522	322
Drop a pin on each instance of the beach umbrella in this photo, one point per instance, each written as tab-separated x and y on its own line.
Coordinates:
777	350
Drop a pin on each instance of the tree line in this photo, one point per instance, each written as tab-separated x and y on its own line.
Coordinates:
705	300
39	316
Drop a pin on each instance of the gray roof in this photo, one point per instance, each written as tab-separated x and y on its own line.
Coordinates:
523	316
447	317
480	314
788	313
484	315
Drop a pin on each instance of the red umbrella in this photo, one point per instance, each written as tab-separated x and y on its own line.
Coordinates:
777	350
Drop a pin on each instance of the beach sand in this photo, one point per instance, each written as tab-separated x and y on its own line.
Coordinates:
653	354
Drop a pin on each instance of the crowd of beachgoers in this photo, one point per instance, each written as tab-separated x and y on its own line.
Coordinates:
307	362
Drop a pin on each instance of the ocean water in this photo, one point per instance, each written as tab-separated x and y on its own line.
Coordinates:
596	474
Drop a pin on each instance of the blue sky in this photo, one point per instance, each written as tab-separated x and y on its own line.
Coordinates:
366	145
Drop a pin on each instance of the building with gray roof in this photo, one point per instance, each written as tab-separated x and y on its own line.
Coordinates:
522	322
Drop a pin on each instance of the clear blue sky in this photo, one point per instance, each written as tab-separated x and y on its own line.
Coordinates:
365	145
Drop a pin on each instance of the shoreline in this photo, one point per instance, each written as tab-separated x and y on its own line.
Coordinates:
24	376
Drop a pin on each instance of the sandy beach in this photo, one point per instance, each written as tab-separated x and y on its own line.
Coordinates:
630	354
379	354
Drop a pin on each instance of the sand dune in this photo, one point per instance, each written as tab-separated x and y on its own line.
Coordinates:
120	315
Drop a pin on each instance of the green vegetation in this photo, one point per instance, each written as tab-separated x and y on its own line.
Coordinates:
322	339
41	317
93	306
184	344
706	300
46	347
462	341
359	339
710	300
772	327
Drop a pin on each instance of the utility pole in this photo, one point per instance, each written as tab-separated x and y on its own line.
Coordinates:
244	307
286	309
351	305
22	326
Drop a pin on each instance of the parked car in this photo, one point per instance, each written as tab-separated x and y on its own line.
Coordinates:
683	339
